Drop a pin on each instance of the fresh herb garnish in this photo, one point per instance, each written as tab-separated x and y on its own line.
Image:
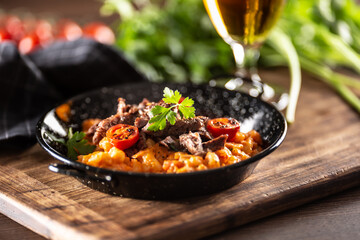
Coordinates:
163	114
76	144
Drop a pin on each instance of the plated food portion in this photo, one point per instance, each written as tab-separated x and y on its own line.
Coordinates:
167	167
166	137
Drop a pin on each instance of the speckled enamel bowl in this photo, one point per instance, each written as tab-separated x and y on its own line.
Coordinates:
251	112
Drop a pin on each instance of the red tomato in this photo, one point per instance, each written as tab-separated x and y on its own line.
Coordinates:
15	27
223	126
100	32
44	32
4	35
123	136
28	44
69	30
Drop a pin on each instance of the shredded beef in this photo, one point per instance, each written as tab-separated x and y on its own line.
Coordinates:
205	135
215	144
141	121
122	106
185	135
103	126
181	126
172	143
192	142
91	131
107	123
126	114
140	145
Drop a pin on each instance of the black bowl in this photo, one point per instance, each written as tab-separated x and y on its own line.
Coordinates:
213	102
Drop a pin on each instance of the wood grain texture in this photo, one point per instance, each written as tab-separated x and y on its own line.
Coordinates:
320	156
48	212
335	217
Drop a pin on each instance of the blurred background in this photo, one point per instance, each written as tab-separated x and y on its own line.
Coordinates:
174	40
79	9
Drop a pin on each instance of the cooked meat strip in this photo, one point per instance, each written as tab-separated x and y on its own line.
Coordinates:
181	126
128	108
103	126
122	106
192	142
126	114
215	144
205	135
90	132
140	145
107	123
172	143
144	103
141	121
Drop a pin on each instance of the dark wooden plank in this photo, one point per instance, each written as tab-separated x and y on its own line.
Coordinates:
336	217
49	213
11	230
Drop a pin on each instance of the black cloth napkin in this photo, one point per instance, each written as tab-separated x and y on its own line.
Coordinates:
31	85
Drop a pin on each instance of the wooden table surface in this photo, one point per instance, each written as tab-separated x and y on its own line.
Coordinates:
334	217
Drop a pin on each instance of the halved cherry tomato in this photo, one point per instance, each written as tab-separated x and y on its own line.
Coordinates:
222	126
28	43
45	32
4	35
100	32
15	27
123	136
69	30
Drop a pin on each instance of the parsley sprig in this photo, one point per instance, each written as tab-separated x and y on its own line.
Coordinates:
162	114
76	144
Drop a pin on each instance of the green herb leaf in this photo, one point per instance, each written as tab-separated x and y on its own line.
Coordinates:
77	145
187	102
187	112
170	96
162	114
159	120
158	110
171	117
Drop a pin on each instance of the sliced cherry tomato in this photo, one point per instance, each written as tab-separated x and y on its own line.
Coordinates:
69	30
4	35
28	44
100	32
123	136
222	126
15	27
44	31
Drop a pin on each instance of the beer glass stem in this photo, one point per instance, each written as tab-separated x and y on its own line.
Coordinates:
246	71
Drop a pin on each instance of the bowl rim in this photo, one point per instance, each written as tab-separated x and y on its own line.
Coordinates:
106	171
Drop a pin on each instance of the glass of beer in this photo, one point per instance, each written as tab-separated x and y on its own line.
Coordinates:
244	25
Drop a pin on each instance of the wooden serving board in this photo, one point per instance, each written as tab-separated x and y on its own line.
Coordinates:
320	156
